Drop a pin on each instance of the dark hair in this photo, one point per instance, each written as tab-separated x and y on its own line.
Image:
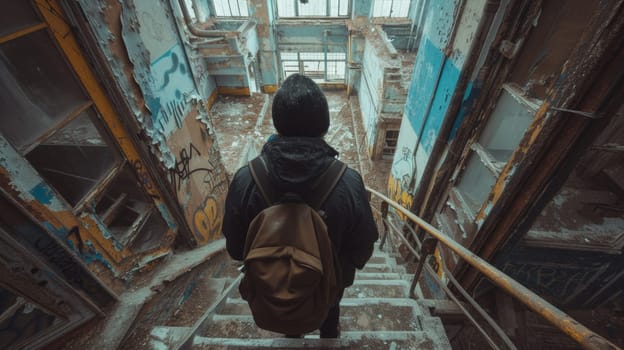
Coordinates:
300	108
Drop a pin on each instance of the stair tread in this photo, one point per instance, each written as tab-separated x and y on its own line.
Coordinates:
348	340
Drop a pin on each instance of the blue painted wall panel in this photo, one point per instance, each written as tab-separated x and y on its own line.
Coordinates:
428	63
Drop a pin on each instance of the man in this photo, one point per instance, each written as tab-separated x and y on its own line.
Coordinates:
296	157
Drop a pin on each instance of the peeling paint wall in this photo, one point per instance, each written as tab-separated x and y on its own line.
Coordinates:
440	57
262	12
170	92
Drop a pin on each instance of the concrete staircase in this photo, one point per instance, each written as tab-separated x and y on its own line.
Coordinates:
375	314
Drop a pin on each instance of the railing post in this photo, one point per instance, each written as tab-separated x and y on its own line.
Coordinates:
384	217
428	247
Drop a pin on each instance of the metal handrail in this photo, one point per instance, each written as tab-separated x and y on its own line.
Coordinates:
581	334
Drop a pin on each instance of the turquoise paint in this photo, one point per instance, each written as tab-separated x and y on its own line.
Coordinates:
42	193
167	216
95	256
426	68
88	255
470	96
188	291
444	93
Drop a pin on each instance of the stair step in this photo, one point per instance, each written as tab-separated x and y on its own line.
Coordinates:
366	314
378	275
377	268
348	340
378	288
377	260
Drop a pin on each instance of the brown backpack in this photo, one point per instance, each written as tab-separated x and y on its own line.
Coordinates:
291	275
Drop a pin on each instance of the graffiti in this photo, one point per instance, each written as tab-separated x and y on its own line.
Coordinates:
208	219
560	282
175	109
400	196
170	88
401	176
182	168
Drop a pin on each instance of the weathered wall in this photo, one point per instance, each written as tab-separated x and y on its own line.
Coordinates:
262	12
311	36
370	90
441	52
168	93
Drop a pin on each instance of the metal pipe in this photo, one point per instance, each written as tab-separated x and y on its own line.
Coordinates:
428	247
449	293
384	216
217	34
571	327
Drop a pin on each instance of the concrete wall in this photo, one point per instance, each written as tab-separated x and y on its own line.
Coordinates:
439	61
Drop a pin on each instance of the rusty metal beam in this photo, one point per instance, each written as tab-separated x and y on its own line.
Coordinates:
581	334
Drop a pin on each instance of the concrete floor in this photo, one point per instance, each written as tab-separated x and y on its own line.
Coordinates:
241	123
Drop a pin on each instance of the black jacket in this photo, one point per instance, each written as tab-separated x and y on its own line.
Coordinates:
295	163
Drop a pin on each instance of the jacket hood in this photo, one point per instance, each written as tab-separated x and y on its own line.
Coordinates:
297	161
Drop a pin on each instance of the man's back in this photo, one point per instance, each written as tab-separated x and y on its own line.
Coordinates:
295	163
295	159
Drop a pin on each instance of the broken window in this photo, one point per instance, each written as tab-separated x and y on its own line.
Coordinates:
230	8
489	155
53	124
391	8
319	66
313	8
75	158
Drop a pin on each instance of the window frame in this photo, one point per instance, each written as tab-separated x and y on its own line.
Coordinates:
300	62
390	15
328	9
484	158
99	105
238	3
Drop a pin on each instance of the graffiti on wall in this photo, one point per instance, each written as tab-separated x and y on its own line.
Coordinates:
403	169
182	169
208	181
208	218
172	87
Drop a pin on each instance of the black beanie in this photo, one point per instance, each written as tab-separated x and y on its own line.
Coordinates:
300	108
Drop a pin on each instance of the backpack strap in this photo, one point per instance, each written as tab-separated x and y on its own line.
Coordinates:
315	196
324	186
260	173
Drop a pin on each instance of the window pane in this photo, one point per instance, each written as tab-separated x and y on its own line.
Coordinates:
507	124
289	56
312	55
313	8
151	234
391	8
38	89
343	7
230	8
286	8
75	158
16	15
476	183
242	7
124	207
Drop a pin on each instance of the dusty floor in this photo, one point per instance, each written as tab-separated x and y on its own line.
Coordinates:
243	123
